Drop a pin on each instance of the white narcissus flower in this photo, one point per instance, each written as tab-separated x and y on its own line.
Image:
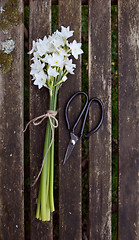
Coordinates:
33	48
69	66
45	59
41	47
45	45
36	67
51	58
35	56
52	72
75	49
40	79
56	60
51	47
65	32
62	52
57	40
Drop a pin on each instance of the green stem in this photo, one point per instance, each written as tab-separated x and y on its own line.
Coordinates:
45	214
52	180
52	161
45	202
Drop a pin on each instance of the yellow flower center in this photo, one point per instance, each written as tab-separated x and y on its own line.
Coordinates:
56	61
41	79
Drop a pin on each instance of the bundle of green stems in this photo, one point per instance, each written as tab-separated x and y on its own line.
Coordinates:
45	202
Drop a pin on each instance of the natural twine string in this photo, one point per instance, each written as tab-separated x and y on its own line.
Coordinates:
51	115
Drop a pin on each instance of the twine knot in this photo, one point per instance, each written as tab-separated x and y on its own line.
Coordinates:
49	114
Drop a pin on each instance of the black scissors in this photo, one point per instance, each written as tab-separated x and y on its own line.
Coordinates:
74	138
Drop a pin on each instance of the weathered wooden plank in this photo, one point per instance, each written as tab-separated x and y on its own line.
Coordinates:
100	142
70	173
128	32
40	25
84	2
11	123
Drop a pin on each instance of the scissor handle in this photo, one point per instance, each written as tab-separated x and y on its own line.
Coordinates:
79	117
86	113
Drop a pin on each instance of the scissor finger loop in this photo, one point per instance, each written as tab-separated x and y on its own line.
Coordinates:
101	117
80	115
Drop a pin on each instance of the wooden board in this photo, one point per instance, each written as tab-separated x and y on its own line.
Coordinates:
40	25
84	2
100	142
70	173
11	123
128	33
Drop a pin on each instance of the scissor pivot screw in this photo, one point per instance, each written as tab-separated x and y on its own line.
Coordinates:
73	142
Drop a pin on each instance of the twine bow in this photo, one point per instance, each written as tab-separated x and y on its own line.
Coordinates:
51	116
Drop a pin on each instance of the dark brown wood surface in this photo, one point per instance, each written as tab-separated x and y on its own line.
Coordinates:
40	25
128	35
11	123
84	2
70	173
100	142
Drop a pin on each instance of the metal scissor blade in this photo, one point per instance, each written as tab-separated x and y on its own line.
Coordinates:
70	147
68	152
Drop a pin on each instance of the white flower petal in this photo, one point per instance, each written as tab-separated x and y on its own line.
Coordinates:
40	79
65	32
75	49
56	60
36	67
33	48
69	66
52	72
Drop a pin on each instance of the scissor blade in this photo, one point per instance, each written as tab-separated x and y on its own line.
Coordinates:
70	147
68	152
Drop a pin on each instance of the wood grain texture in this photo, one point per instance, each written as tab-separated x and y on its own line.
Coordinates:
11	124
100	142
84	2
40	25
128	35
70	173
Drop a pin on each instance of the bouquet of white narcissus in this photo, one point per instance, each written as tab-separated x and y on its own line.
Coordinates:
51	64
